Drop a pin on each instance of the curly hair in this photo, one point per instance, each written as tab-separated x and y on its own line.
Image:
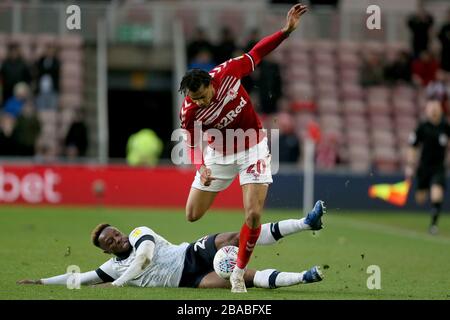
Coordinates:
96	233
193	80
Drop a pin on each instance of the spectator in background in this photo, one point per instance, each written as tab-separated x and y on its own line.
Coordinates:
420	23
26	131
47	70
269	85
371	71
144	148
444	37
289	144
7	142
76	141
425	69
13	70
438	90
327	153
15	103
199	43
47	79
253	39
203	60
226	46
399	70
248	82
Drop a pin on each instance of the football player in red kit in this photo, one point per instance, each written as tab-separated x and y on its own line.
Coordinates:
217	103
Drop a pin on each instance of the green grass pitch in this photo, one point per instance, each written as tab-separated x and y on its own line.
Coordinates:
41	242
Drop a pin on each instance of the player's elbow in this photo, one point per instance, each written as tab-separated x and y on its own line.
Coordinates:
142	261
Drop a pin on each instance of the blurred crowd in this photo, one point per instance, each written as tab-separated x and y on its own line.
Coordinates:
27	89
425	66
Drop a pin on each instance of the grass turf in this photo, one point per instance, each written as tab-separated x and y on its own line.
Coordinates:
39	242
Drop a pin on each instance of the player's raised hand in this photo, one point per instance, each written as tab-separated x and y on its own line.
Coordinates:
206	176
293	17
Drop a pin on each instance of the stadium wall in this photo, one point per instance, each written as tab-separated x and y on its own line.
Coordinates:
119	185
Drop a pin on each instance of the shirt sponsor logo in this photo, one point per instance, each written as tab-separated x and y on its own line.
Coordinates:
230	116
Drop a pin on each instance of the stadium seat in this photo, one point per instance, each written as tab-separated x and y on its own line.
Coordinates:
386	159
325	74
324	46
351	91
72	41
383	138
355	122
348	61
323	58
354	107
300	72
348	47
350	76
381	122
328	106
330	121
359	158
357	136
300	91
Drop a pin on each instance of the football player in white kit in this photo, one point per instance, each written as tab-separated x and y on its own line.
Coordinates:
146	259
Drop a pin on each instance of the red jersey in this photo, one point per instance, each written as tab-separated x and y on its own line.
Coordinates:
231	107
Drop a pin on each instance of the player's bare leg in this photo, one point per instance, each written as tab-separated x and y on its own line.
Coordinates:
227	239
254	197
198	203
436	196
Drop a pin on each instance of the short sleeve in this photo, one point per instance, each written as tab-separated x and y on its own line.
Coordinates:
106	271
139	235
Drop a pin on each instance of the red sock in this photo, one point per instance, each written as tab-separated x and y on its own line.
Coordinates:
247	242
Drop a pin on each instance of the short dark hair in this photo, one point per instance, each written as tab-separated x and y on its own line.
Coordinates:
193	80
96	233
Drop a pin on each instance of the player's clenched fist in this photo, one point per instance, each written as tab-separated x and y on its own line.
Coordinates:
205	176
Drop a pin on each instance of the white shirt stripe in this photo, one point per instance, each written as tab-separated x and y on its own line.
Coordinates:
251	59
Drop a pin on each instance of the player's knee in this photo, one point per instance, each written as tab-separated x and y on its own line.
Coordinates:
192	215
253	217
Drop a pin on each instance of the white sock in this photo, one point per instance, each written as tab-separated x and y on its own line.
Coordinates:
271	278
238	271
272	232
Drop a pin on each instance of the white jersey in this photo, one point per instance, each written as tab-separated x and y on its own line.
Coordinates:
165	269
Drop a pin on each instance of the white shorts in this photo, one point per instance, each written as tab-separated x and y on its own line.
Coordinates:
252	165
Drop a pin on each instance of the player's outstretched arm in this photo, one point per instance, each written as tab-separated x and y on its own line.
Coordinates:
86	278
144	256
269	43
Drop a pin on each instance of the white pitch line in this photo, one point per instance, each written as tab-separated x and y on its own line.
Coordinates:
395	231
